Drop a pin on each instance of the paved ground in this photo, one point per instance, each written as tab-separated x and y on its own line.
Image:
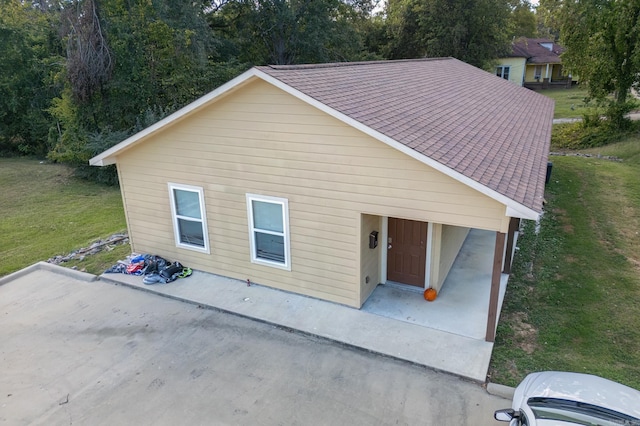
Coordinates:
75	352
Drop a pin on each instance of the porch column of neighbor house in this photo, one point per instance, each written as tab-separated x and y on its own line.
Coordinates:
495	288
546	79
514	223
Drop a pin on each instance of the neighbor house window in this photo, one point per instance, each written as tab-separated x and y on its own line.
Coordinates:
269	230
189	219
503	72
537	73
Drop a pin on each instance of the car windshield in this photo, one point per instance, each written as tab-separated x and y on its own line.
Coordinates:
579	413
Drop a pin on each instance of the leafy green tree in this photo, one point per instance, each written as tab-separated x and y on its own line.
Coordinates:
474	31
548	18
293	31
29	58
602	38
124	58
522	20
404	28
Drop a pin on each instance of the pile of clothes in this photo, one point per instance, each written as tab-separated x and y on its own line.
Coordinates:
154	269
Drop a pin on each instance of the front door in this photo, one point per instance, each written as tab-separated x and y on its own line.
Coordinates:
407	251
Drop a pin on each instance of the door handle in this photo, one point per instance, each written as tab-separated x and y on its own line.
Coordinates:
389	247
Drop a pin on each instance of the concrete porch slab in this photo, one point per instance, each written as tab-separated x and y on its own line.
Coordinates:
462	307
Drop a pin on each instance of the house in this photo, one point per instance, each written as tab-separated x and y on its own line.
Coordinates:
329	179
535	63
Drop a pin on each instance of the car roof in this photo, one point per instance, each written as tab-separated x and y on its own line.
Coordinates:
584	388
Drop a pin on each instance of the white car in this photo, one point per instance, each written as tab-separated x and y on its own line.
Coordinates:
559	398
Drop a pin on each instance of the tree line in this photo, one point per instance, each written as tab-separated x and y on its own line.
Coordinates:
78	76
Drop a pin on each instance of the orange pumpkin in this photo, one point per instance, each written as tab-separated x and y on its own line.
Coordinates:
430	294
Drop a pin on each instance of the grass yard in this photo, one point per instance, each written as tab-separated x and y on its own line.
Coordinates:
573	301
569	102
44	212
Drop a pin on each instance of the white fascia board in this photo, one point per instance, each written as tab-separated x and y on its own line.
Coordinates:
109	156
513	208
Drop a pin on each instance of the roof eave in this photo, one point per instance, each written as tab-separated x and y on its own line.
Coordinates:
109	156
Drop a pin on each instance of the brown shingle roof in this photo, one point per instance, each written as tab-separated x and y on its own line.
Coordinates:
479	125
535	52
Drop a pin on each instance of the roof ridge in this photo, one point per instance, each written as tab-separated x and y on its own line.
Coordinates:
348	64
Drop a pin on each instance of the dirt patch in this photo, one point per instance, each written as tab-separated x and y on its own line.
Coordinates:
561	215
525	335
584	155
634	262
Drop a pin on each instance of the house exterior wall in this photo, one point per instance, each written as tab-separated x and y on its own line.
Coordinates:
261	140
555	72
517	68
452	238
369	258
530	73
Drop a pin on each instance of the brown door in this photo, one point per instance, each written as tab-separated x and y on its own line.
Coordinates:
407	251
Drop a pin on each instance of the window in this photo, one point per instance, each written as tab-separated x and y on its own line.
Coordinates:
189	220
503	72
269	230
537	73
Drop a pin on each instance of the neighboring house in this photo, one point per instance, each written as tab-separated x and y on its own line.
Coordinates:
329	179
535	63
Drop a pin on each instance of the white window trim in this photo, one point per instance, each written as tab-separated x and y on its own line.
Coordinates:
504	67
285	226
175	217
537	72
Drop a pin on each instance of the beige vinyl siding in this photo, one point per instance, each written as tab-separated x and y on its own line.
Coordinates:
369	258
451	239
261	140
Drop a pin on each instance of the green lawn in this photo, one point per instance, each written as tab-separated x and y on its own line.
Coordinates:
44	212
569	102
573	301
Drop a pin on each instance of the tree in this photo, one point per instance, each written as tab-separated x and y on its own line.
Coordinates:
522	20
293	31
470	30
548	18
28	61
89	60
602	38
124	59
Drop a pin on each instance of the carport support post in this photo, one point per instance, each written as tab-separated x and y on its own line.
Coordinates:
514	223
495	288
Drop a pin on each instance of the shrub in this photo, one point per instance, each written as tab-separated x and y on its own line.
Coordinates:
590	133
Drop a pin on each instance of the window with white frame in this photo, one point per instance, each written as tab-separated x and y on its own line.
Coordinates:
269	230
189	219
503	71
537	72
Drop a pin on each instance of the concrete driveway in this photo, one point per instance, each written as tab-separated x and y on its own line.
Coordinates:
93	353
